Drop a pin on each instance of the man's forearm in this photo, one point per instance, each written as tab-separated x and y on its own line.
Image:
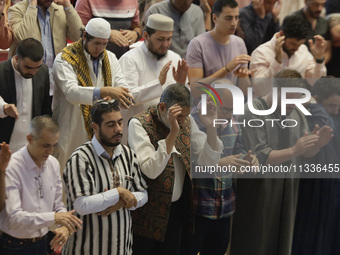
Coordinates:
142	199
277	157
96	203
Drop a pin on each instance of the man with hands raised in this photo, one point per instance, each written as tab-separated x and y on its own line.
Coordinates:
163	136
219	53
214	195
318	25
151	67
103	184
34	195
266	206
287	50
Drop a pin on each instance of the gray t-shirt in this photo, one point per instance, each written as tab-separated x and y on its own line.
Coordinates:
204	52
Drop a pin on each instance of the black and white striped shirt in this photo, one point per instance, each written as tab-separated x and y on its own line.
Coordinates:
87	173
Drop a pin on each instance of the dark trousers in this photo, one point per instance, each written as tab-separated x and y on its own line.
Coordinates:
173	235
13	246
210	237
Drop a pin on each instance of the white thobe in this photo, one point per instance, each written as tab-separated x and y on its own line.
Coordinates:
68	96
141	71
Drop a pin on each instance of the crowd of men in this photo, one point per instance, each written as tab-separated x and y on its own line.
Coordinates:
115	130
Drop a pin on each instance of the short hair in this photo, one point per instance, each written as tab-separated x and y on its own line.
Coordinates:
288	73
30	48
175	94
87	36
289	78
333	20
101	107
149	30
220	4
295	26
40	123
325	87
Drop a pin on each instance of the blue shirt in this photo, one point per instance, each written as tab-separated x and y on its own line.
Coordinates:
46	36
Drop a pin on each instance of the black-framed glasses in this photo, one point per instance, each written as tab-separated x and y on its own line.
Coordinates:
39	185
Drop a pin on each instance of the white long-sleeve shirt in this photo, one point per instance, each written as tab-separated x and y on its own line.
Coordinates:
141	71
34	195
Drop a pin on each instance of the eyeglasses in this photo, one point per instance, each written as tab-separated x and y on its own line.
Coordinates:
39	185
104	105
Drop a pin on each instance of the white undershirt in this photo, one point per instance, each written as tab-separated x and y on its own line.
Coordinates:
24	96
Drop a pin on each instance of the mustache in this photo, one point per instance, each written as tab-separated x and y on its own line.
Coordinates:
120	134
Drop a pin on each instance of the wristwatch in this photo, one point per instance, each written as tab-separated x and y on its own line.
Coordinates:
138	36
320	61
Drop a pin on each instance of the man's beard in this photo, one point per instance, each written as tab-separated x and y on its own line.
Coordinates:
289	53
156	54
315	15
24	75
103	139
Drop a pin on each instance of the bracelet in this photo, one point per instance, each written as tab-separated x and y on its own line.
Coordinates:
320	61
226	69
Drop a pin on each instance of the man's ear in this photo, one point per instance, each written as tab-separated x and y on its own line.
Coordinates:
29	138
145	35
95	127
162	108
214	17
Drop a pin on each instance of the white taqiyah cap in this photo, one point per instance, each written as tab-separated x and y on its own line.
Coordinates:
160	22
98	27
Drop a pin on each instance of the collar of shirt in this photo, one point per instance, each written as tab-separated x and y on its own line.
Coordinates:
102	152
43	18
95	62
30	164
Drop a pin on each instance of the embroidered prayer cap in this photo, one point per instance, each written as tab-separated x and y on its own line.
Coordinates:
98	27
160	22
